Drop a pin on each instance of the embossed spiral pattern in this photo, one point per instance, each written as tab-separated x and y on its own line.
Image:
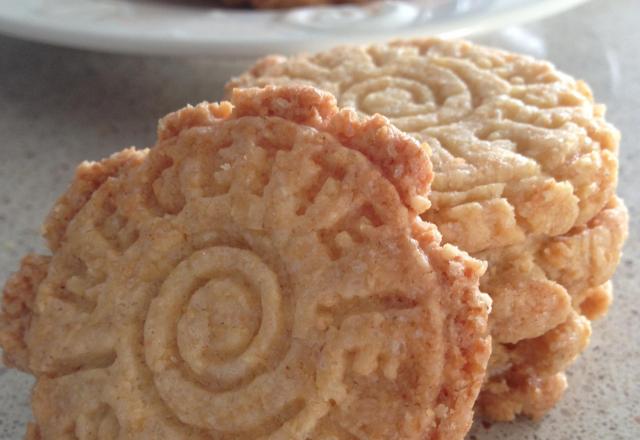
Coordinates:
525	175
511	137
254	277
219	314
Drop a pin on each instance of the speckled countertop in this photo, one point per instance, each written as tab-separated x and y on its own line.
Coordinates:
60	106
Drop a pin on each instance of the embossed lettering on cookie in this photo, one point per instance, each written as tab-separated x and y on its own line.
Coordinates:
261	272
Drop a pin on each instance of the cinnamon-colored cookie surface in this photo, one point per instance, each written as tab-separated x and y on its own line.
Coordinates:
261	272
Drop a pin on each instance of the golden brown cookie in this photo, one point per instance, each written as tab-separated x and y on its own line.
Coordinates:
525	174
261	272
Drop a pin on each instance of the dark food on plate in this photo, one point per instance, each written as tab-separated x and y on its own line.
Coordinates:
274	4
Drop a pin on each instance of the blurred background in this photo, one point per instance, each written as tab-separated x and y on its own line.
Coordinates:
128	63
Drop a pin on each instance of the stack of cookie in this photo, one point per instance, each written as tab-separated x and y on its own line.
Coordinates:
261	272
273	266
525	177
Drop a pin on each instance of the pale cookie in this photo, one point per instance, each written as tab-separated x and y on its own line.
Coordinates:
578	265
261	273
528	376
559	272
525	174
518	147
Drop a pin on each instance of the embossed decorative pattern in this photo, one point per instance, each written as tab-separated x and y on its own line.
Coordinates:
525	176
260	273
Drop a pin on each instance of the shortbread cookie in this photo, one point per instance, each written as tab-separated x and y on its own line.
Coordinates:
562	272
260	273
518	147
525	174
565	276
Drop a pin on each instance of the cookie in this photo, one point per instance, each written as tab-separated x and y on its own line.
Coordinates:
261	272
566	276
525	174
563	271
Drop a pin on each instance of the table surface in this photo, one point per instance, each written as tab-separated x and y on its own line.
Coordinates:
60	106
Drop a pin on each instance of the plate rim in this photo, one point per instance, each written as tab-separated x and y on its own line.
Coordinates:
143	44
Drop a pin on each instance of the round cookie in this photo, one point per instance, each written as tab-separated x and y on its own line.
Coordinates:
261	272
525	174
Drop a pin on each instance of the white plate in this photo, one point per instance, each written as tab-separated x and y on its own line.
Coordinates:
183	27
